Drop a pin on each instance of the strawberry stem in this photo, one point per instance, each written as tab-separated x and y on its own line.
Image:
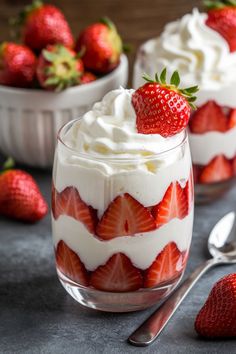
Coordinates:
188	93
8	164
106	21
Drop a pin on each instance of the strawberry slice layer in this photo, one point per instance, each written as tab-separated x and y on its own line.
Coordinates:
219	169
167	266
173	205
209	117
232	119
70	264
125	216
118	275
68	202
189	191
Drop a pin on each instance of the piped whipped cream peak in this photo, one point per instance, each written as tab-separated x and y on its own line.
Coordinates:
109	130
200	54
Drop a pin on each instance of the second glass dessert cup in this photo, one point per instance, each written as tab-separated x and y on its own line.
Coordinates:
122	227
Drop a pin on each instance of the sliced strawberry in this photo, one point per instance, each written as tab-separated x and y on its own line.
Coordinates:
125	216
209	117
232	119
167	266
68	202
70	265
173	205
189	192
219	169
118	274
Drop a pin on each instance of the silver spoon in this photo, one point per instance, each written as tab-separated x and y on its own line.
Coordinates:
222	247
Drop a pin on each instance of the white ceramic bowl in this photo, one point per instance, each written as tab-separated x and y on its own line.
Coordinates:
30	119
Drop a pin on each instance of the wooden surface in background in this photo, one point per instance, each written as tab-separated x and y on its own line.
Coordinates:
136	20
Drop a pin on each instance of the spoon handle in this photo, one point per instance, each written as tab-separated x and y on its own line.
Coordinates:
153	326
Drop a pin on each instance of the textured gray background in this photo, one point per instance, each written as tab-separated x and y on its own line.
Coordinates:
37	315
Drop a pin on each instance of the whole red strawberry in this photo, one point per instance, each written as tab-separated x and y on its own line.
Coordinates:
217	318
17	65
222	18
87	77
20	197
102	46
58	68
163	108
44	24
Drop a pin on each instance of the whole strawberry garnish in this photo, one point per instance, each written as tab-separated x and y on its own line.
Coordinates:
163	108
101	45
222	18
59	67
20	197
42	25
17	65
217	318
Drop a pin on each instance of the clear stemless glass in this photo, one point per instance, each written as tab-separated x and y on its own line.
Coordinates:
122	227
212	137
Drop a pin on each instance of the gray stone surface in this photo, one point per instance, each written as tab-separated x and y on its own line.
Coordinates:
38	316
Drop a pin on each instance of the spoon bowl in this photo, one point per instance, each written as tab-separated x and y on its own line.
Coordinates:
222	239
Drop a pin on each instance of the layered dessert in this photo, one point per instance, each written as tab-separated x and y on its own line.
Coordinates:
202	47
122	203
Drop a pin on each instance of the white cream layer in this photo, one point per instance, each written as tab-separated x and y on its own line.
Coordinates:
204	147
141	249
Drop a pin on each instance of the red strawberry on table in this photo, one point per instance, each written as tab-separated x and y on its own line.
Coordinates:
222	18
69	202
217	318
167	266
87	77
162	108
173	205
118	275
232	119
70	264
101	45
58	68
219	169
44	24
209	117
17	65
125	216
20	197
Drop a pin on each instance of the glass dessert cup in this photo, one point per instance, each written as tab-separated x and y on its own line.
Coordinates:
214	150
122	227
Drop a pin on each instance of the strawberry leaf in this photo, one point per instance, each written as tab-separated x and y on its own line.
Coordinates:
147	78
163	76
49	56
218	4
52	81
175	79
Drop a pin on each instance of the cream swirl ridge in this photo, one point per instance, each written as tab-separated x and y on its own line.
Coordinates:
200	54
109	129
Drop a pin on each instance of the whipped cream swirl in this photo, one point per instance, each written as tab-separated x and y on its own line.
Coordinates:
109	129
200	54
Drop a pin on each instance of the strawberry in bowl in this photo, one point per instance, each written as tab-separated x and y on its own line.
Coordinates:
46	81
122	198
